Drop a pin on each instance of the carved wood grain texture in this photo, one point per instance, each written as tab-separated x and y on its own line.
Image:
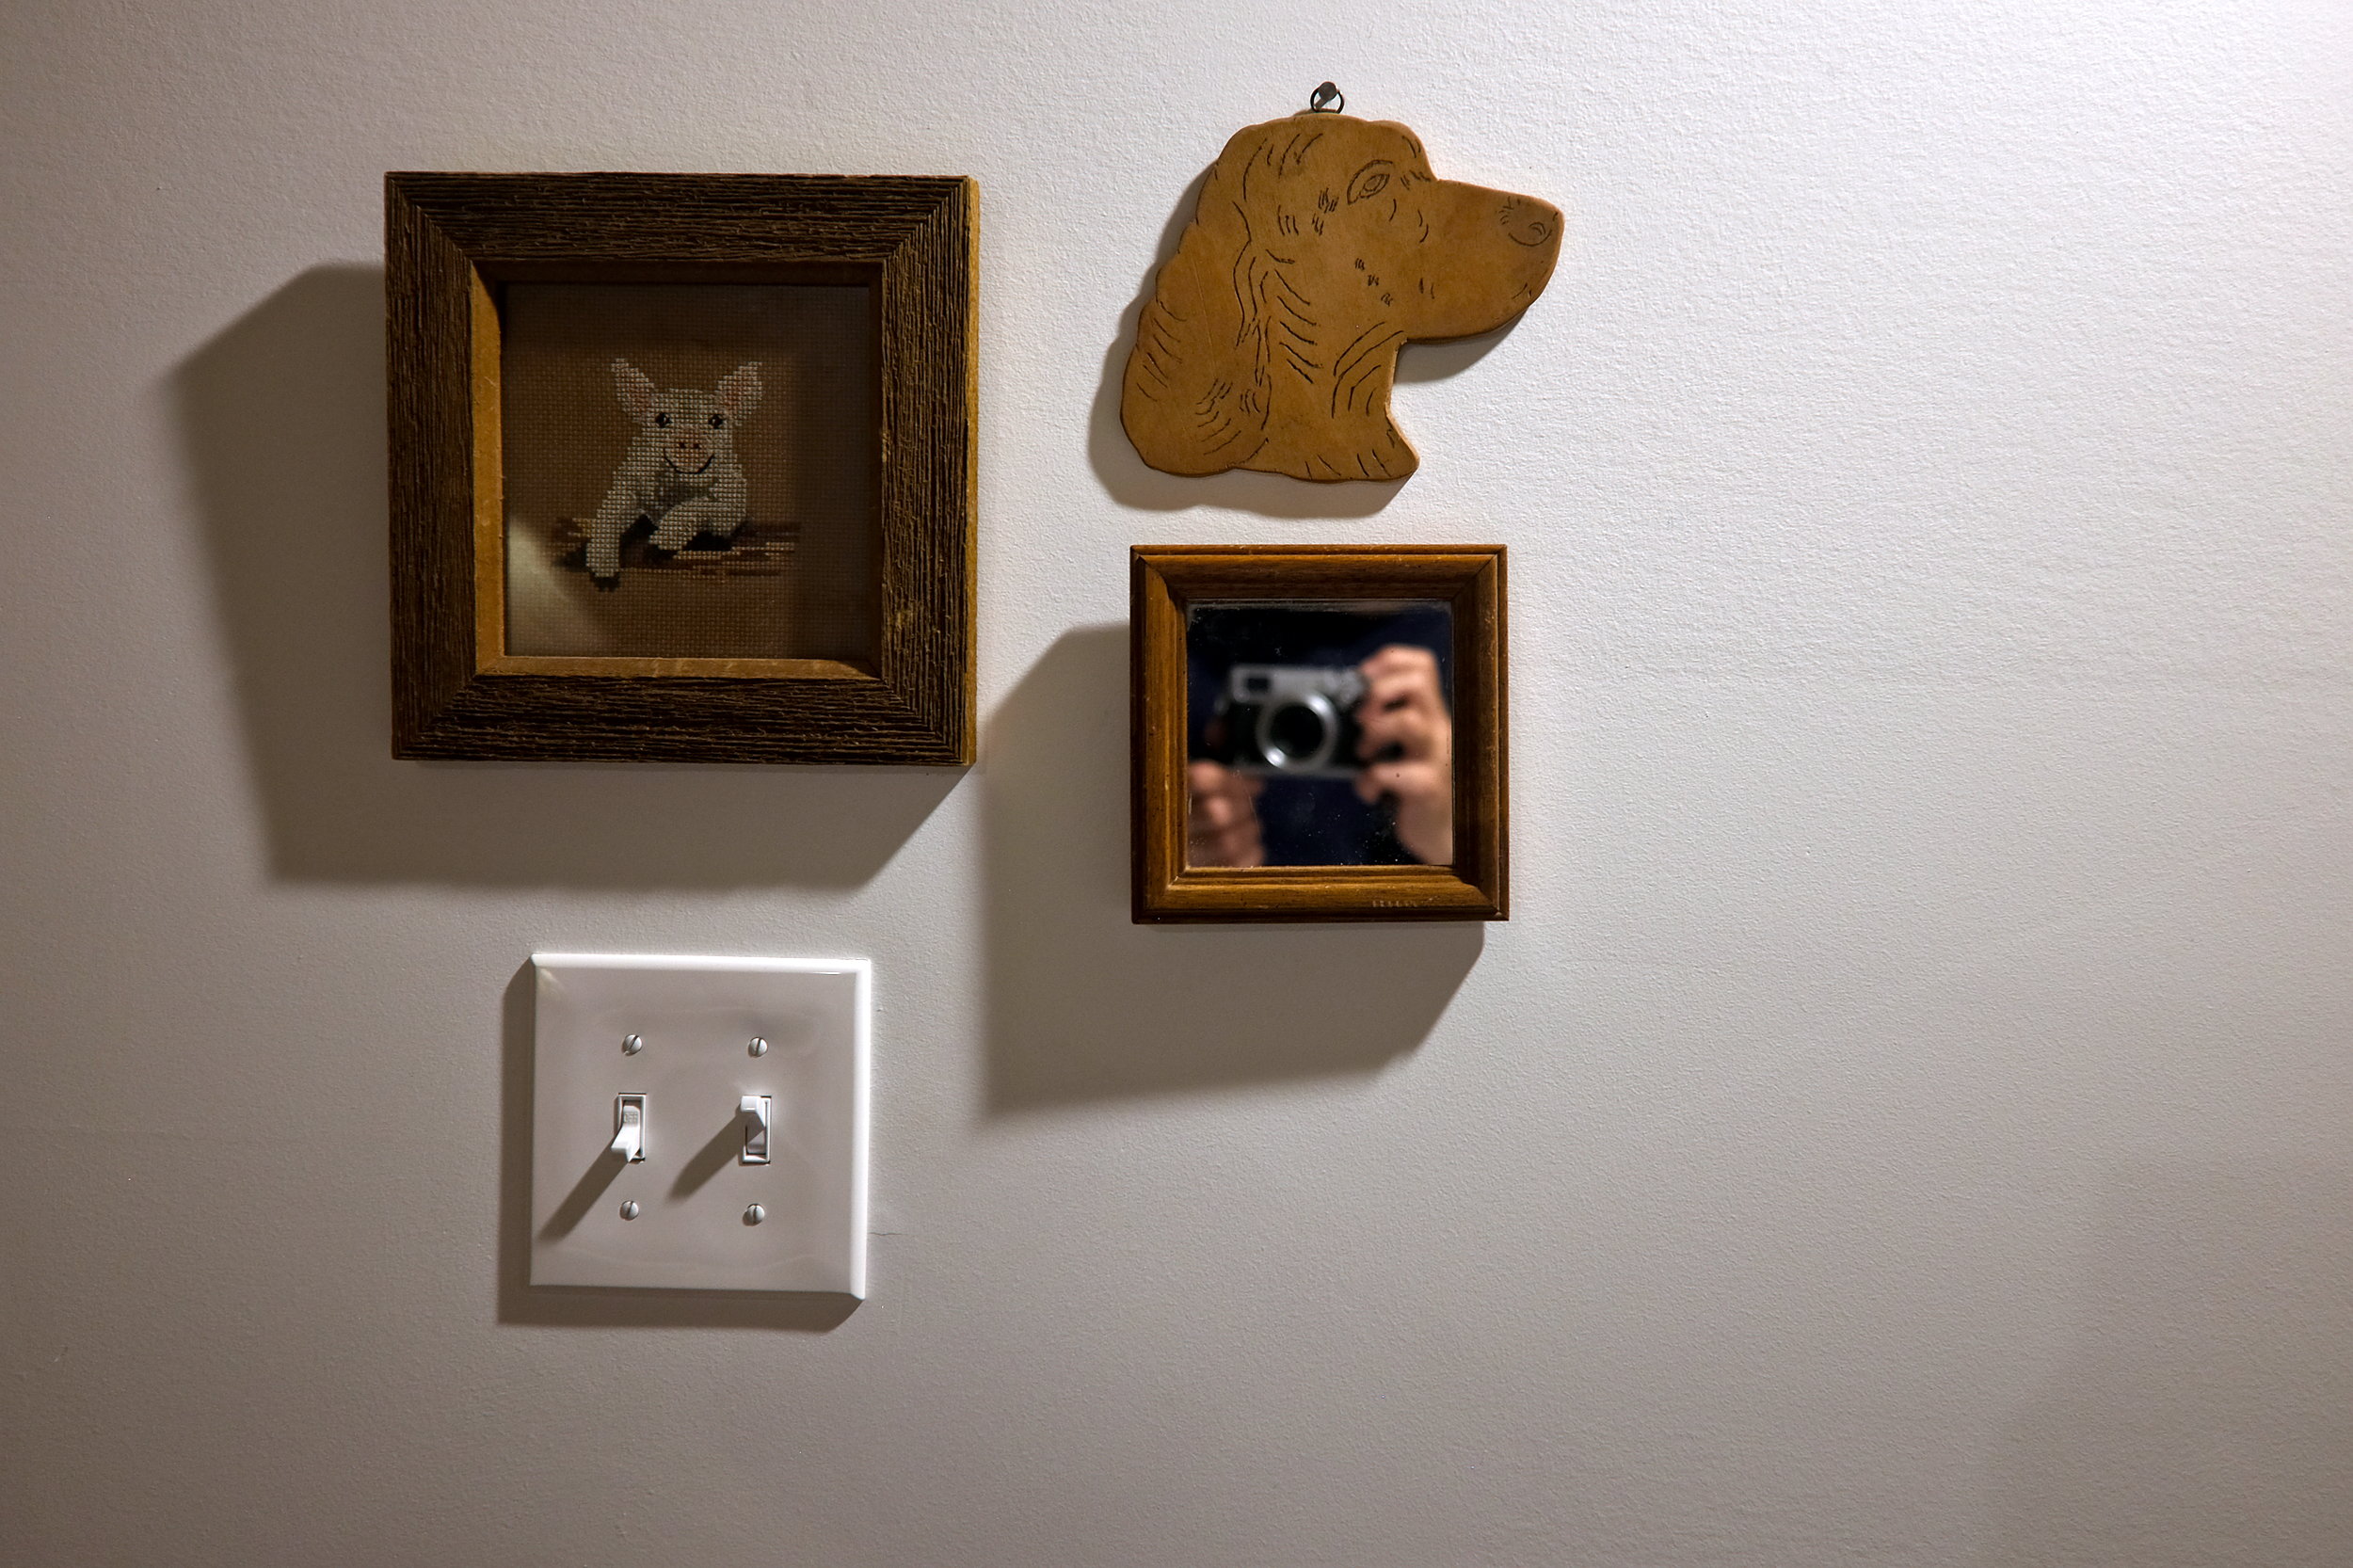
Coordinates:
1321	246
452	238
1163	580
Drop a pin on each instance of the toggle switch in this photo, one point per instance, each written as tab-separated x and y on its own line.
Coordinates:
628	1127
753	1111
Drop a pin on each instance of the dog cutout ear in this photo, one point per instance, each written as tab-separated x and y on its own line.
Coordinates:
636	386
738	390
1195	399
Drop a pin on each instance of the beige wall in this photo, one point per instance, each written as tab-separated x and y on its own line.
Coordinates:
1905	1122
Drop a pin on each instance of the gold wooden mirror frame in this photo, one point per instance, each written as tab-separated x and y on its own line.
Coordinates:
1166	580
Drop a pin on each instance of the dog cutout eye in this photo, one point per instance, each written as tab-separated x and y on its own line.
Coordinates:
1371	180
718	420
662	419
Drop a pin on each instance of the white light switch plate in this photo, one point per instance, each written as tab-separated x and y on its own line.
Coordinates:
697	1019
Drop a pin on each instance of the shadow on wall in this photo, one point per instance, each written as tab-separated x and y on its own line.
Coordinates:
1134	482
2207	1420
1083	1004
580	1307
282	416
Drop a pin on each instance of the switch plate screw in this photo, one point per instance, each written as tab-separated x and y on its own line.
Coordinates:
759	1045
631	1045
753	1215
629	1209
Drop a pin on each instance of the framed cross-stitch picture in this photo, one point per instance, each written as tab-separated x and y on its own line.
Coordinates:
682	466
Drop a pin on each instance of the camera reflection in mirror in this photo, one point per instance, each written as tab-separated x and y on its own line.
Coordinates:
1321	733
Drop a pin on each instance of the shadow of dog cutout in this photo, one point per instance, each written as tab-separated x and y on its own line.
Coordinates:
1322	244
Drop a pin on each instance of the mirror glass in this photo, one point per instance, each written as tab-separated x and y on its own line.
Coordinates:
1320	733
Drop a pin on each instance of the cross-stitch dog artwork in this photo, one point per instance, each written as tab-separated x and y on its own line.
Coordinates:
690	470
1322	244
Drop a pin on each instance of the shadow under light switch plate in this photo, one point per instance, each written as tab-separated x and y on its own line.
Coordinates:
695	1020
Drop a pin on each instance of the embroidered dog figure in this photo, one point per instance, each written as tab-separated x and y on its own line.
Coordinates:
1322	244
680	473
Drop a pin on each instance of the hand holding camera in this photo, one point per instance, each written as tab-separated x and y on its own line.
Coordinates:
1406	741
1222	829
1381	724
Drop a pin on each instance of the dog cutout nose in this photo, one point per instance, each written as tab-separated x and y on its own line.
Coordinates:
1530	222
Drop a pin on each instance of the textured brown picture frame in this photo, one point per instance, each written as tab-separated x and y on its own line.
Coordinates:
1163	580
452	241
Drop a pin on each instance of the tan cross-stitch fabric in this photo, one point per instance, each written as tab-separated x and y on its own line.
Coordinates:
796	578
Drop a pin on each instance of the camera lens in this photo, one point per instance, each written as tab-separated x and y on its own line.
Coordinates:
1294	732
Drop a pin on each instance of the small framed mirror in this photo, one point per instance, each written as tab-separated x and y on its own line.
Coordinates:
1318	732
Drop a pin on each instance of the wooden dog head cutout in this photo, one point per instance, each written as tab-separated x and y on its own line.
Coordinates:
1322	244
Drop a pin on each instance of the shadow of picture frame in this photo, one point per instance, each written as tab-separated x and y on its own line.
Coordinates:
280	420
